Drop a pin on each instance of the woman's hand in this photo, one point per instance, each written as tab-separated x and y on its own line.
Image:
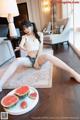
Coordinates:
36	65
17	48
22	48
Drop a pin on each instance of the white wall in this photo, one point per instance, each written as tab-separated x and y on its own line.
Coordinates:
75	35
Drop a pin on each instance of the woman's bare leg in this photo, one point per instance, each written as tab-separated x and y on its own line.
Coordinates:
59	63
12	68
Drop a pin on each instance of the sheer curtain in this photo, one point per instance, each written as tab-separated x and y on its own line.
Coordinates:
74	9
77	25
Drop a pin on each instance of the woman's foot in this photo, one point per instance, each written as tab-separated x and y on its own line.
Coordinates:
76	77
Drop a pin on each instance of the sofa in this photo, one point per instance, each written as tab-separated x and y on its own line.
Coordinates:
41	78
6	51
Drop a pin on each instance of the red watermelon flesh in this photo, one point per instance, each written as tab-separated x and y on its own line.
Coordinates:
33	95
9	100
22	90
23	104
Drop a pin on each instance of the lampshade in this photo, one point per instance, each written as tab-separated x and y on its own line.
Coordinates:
8	7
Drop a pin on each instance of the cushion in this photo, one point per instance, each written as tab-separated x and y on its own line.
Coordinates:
5	47
41	78
3	30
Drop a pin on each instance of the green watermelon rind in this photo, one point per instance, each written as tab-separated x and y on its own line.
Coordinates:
23	96
9	106
33	98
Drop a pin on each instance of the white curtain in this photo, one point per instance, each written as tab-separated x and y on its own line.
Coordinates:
74	8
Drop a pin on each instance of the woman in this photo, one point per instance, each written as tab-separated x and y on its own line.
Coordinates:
32	44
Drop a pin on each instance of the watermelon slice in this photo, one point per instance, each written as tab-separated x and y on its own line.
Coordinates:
22	91
23	104
9	101
33	95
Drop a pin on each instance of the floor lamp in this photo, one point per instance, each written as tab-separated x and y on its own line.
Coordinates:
9	9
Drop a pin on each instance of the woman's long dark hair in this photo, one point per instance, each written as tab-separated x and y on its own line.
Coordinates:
28	24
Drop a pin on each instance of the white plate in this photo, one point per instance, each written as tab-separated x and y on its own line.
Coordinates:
17	110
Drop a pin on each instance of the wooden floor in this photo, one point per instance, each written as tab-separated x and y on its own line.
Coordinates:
62	101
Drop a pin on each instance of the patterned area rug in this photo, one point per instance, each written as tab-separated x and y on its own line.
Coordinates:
41	78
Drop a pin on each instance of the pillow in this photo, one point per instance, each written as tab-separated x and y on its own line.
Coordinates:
3	30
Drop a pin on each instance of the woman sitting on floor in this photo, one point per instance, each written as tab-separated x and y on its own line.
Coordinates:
32	44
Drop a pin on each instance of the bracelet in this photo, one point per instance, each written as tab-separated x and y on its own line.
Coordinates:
10	22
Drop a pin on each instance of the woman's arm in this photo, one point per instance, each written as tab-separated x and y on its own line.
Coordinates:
36	65
17	48
22	43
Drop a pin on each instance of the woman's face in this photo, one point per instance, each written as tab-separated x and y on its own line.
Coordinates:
28	30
